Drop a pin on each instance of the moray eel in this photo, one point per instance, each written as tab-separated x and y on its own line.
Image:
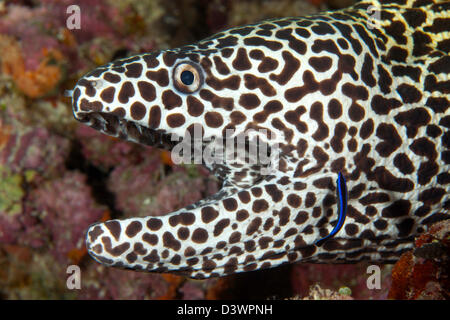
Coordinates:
362	91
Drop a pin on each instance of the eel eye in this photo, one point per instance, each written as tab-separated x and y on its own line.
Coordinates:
187	77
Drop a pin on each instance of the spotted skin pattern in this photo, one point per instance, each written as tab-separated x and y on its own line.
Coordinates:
334	93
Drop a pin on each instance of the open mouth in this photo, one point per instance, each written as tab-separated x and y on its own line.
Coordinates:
112	125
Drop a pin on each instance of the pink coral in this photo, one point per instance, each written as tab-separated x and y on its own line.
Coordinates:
192	290
95	146
26	160
19	23
35	149
22	229
48	18
100	282
66	208
333	277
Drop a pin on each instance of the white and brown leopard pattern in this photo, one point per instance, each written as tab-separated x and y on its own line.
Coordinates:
337	95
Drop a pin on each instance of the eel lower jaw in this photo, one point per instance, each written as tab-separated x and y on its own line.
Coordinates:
115	126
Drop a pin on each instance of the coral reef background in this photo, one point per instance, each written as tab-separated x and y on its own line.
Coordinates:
57	176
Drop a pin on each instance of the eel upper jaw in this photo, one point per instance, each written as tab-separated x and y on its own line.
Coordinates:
116	126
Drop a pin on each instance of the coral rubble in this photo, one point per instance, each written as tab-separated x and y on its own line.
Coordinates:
424	273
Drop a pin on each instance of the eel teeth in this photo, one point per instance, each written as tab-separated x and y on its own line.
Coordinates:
127	130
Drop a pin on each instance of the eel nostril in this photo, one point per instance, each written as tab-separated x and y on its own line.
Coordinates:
96	84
